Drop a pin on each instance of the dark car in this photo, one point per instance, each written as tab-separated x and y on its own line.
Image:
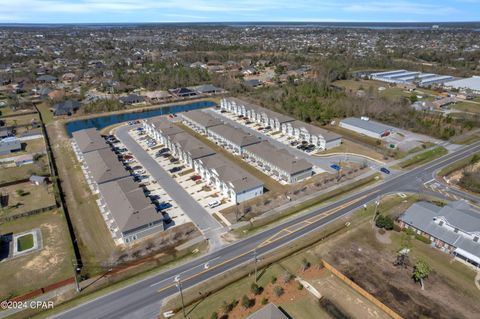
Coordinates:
166	155
163	205
176	169
173	160
384	170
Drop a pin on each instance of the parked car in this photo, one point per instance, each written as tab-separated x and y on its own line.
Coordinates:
214	203
248	122
166	155
173	160
384	170
163	205
170	116
154	197
294	143
196	177
163	150
176	169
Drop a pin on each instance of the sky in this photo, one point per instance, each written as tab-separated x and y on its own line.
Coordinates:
118	11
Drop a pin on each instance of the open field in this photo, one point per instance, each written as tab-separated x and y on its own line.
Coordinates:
424	157
466	139
47	115
51	264
367	141
94	239
7	111
348	146
39	167
26	197
352	86
21	119
269	182
457	165
467	107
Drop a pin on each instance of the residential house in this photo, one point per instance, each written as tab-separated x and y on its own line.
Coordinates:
132	99
23	160
454	228
9	145
66	108
182	92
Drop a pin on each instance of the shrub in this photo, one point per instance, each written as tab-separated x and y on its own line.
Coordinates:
305	264
287	277
409	231
300	286
264	301
273	280
423	239
227	307
278	291
246	302
214	315
384	222
256	289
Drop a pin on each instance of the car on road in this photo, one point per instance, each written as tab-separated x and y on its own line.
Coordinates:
335	167
385	170
196	178
163	205
214	203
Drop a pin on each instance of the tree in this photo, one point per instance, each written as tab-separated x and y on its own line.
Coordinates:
256	289
278	291
246	302
384	222
421	271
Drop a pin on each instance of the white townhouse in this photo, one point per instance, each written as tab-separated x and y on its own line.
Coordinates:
278	162
232	138
315	135
161	129
200	121
230	180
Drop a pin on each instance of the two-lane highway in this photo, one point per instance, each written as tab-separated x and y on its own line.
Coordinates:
142	299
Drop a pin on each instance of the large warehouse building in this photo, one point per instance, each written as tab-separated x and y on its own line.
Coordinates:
471	84
404	76
367	127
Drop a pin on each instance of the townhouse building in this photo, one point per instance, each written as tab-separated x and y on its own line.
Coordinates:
232	138
200	121
278	162
315	135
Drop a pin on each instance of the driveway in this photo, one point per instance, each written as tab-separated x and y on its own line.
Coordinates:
207	224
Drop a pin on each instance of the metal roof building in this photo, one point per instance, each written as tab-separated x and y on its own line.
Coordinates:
366	127
472	84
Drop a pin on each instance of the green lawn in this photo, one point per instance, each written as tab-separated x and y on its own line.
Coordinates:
47	115
26	197
456	166
10	174
467	107
25	242
424	157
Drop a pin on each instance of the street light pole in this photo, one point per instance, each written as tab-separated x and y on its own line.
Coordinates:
377	203
179	286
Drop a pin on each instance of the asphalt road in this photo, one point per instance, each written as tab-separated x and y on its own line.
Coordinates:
142	299
207	224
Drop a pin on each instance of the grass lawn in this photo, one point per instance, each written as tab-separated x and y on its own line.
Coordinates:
424	157
47	115
466	139
21	119
348	146
10	174
269	182
457	165
8	111
370	141
467	107
94	239
25	242
39	269
26	197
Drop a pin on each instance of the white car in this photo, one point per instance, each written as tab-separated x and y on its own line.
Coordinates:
214	204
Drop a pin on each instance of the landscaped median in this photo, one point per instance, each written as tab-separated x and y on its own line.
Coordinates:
423	157
264	220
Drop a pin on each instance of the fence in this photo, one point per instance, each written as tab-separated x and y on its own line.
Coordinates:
361	291
41	291
29	213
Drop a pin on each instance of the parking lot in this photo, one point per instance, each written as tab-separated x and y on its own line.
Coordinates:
159	197
267	130
185	176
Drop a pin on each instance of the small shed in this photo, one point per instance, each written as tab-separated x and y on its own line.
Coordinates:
38	180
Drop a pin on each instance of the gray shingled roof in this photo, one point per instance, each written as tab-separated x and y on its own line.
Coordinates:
369	125
282	118
104	166
270	311
201	118
238	178
235	135
279	158
164	126
457	214
128	205
89	140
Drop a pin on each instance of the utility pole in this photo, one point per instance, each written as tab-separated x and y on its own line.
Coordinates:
377	203
76	269
255	259
179	286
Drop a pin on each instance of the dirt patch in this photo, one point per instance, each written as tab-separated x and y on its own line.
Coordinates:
374	271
